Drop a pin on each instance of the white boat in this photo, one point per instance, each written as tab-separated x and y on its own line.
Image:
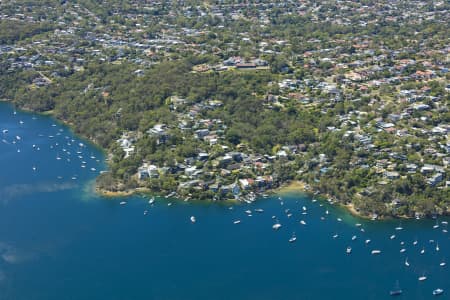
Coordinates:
406	262
248	212
259	210
293	238
339	219
5	131
354	237
376	252
367	241
145	212
437	247
193	220
442	264
438	292
276	226
304	208
123	203
402	250
237	222
436	225
398	228
302	222
415	242
349	250
392	237
151	201
358	224
444	223
422	251
335	236
289	215
422	278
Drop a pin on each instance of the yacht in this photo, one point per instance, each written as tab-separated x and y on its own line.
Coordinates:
293	238
276	226
422	278
397	291
438	292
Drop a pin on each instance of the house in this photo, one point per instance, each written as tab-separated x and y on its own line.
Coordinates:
148	171
435	179
392	175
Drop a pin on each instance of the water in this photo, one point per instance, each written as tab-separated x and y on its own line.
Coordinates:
59	240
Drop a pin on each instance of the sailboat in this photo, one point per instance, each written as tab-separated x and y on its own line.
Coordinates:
406	262
293	238
422	278
437	247
396	291
436	225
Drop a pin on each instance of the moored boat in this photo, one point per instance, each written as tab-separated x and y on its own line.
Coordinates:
438	292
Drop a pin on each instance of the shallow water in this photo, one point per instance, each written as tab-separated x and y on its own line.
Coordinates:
58	240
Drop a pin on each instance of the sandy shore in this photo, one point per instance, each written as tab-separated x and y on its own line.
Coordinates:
114	194
293	186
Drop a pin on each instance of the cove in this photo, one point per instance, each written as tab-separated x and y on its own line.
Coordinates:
60	240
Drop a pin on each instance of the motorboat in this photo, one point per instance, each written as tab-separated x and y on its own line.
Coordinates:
276	226
349	250
422	278
237	222
438	292
193	220
376	252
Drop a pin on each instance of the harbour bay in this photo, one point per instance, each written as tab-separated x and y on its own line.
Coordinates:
59	240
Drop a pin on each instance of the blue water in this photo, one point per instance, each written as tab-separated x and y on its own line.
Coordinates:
59	240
